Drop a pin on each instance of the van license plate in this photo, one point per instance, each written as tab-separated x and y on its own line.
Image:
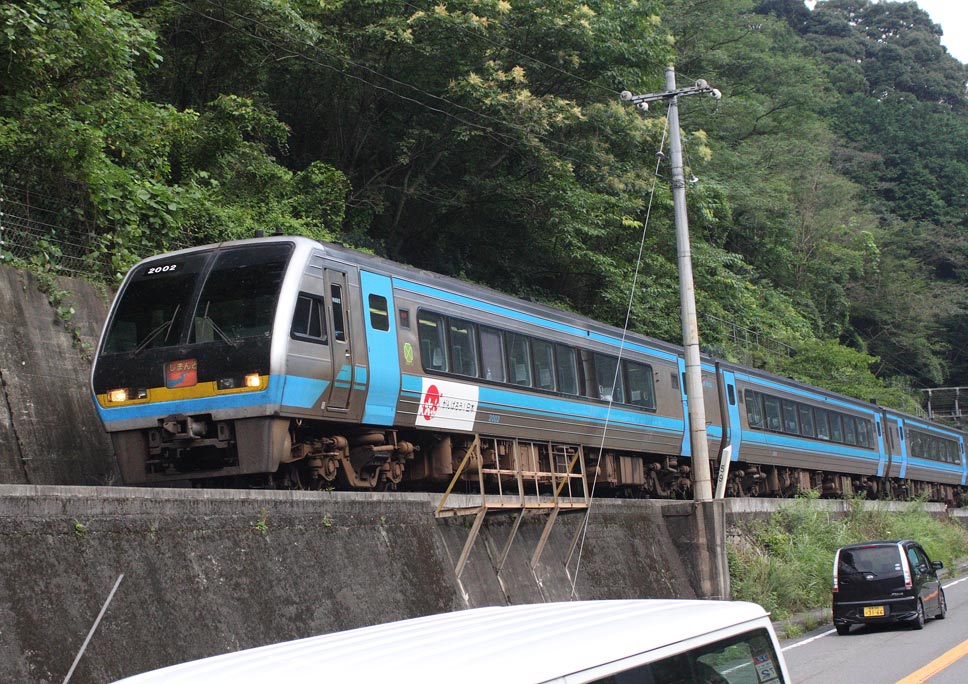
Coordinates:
874	611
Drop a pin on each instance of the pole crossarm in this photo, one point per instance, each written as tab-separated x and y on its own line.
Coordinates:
701	88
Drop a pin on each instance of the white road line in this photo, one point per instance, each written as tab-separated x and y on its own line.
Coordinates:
957	581
807	641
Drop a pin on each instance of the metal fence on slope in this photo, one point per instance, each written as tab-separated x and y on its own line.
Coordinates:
47	231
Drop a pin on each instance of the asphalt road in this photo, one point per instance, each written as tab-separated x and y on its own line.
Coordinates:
938	654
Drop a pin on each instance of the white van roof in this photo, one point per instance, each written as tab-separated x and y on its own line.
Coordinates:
507	644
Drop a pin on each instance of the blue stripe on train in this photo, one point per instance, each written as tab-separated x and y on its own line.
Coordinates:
807	394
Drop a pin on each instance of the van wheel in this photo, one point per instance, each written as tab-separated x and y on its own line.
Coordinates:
919	620
942	605
842	629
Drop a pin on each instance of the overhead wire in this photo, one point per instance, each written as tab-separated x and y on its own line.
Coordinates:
618	365
526	56
508	140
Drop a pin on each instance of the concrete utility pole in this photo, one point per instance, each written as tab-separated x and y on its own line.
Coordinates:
702	483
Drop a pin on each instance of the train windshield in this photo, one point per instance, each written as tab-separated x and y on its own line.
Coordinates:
240	294
235	290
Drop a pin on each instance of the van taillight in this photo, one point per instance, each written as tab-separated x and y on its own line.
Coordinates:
906	566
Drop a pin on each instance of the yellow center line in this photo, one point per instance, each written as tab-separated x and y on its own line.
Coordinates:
936	665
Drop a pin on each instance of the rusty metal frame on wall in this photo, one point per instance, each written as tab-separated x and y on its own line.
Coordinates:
554	488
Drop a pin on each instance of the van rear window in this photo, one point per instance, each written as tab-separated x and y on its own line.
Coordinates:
879	560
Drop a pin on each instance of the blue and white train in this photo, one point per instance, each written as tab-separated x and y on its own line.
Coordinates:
295	363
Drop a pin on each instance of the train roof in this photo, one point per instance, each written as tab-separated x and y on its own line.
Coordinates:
523	644
451	284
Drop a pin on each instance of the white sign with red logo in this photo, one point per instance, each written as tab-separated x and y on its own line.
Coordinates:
448	405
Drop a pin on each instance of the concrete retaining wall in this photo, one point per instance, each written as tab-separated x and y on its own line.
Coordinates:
49	431
207	572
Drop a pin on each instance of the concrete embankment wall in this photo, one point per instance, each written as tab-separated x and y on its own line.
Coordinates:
207	572
49	431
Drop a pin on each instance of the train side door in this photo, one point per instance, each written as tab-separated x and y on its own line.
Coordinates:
902	448
891	446
686	448
964	463
379	322
732	427
340	343
883	451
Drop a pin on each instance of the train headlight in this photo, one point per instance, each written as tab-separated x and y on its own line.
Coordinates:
118	396
253	380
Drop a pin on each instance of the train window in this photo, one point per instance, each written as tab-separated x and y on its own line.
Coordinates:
823	427
151	310
239	296
336	302
608	378
309	320
806	421
790	424
430	331
731	395
933	447
519	358
463	347
914	445
836	427
492	354
543	354
863	433
754	410
850	432
379	313
641	389
567	369
772	406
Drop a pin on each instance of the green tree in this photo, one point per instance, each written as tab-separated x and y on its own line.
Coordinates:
74	121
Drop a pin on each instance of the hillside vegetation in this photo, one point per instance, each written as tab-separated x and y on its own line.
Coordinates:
786	563
486	139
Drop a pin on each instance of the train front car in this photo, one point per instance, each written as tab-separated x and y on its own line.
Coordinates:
184	377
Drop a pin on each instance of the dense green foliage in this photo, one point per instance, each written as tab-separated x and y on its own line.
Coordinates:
786	563
486	139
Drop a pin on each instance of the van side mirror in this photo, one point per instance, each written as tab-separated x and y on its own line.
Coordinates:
937	565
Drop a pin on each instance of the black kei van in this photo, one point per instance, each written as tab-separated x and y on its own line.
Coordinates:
886	581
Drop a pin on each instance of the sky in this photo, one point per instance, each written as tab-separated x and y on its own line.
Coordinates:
953	17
